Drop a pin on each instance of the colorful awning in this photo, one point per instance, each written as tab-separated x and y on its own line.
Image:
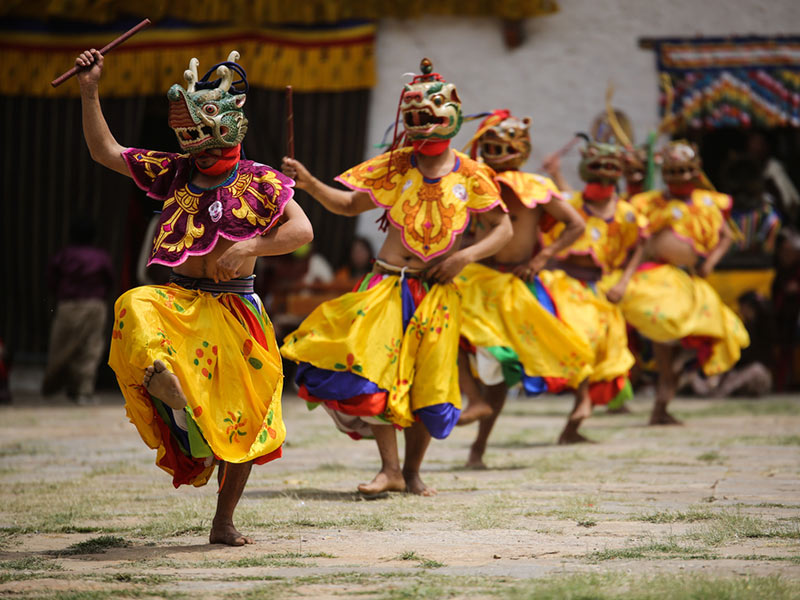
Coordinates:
732	82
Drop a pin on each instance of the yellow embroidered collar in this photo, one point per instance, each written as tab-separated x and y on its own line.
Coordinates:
430	213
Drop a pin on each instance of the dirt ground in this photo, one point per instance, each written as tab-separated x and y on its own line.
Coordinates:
707	510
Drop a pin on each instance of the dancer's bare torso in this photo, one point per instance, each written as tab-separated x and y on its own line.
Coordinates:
395	253
200	267
525	223
666	246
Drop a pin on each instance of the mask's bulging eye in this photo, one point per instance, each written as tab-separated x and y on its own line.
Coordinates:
438	99
511	132
210	109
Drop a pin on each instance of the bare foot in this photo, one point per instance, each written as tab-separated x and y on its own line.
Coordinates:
660	416
475	461
416	486
573	437
228	535
384	481
475	411
164	385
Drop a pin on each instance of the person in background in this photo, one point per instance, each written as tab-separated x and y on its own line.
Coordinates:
359	263
80	277
777	181
786	306
751	376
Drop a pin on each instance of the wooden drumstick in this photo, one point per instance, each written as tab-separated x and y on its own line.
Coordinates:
289	122
107	48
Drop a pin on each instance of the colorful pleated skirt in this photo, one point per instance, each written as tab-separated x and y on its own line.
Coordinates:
222	348
666	304
601	325
383	354
516	334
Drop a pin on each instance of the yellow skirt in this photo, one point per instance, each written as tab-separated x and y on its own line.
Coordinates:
362	334
222	348
596	320
665	304
500	310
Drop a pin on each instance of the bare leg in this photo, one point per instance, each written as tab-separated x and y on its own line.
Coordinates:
390	477
417	441
496	396
666	385
477	406
582	410
232	478
164	385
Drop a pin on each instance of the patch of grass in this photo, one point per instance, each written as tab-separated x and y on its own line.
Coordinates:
114	594
727	527
424	563
774	505
282	559
20	449
711	457
332	466
735	407
605	586
669	548
149	579
489	512
94	545
768	557
617	586
574	509
189	519
667	516
30	563
587	523
636	454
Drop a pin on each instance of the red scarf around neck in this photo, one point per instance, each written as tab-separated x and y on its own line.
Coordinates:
225	162
598	192
430	147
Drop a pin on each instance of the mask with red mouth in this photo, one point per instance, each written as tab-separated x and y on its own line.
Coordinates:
504	141
431	110
680	168
600	168
208	114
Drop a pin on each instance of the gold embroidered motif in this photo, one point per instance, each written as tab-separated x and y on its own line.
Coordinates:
192	233
437	220
152	164
245	211
187	200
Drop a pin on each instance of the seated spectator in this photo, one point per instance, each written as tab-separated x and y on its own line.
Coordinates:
752	375
786	307
753	212
359	263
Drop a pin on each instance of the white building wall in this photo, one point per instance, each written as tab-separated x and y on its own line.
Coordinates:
559	75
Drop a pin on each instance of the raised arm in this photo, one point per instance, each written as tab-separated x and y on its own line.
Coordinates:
102	144
340	202
293	230
552	166
500	231
562	211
